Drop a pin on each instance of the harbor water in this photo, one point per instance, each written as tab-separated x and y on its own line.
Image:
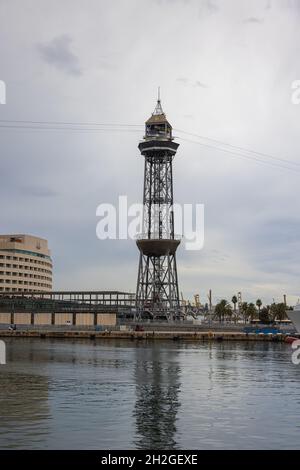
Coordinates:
118	394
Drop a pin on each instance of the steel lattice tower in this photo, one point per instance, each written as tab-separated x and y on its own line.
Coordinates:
157	294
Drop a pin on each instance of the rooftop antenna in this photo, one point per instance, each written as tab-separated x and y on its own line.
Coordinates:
158	109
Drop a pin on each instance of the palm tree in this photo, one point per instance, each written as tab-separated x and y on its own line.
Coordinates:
281	311
251	311
278	311
244	308
258	304
234	301
273	311
222	310
264	315
228	311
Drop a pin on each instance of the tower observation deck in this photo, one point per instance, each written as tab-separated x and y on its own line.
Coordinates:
157	294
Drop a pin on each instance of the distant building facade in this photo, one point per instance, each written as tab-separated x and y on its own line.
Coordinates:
25	264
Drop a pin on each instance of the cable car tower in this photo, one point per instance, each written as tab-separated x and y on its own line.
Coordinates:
157	294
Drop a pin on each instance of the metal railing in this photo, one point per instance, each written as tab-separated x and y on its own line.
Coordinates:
157	236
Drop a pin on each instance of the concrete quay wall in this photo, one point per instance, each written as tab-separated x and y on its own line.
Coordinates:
146	336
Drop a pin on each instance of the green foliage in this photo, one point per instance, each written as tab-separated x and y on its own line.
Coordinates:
244	307
251	311
278	311
223	310
264	315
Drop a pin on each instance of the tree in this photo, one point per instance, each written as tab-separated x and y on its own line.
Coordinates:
278	311
258	304
244	307
223	310
281	311
234	301
264	315
273	311
251	311
228	312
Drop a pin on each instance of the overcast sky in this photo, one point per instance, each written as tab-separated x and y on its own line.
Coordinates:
225	69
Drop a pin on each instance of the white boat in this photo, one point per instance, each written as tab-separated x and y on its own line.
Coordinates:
294	315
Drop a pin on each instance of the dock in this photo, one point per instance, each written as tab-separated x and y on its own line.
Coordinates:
145	335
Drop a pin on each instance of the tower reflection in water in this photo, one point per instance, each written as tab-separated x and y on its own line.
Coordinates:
157	376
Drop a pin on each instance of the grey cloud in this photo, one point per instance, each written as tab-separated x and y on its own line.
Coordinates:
246	204
294	4
183	80
104	63
37	191
200	84
268	5
59	54
161	2
211	6
253	19
208	7
281	230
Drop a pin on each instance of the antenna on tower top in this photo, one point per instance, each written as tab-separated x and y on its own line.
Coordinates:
158	109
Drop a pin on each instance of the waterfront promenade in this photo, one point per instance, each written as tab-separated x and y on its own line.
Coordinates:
148	335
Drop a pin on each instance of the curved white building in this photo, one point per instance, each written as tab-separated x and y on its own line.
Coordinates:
25	264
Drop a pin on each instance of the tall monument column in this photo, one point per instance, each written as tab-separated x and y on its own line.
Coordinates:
157	294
